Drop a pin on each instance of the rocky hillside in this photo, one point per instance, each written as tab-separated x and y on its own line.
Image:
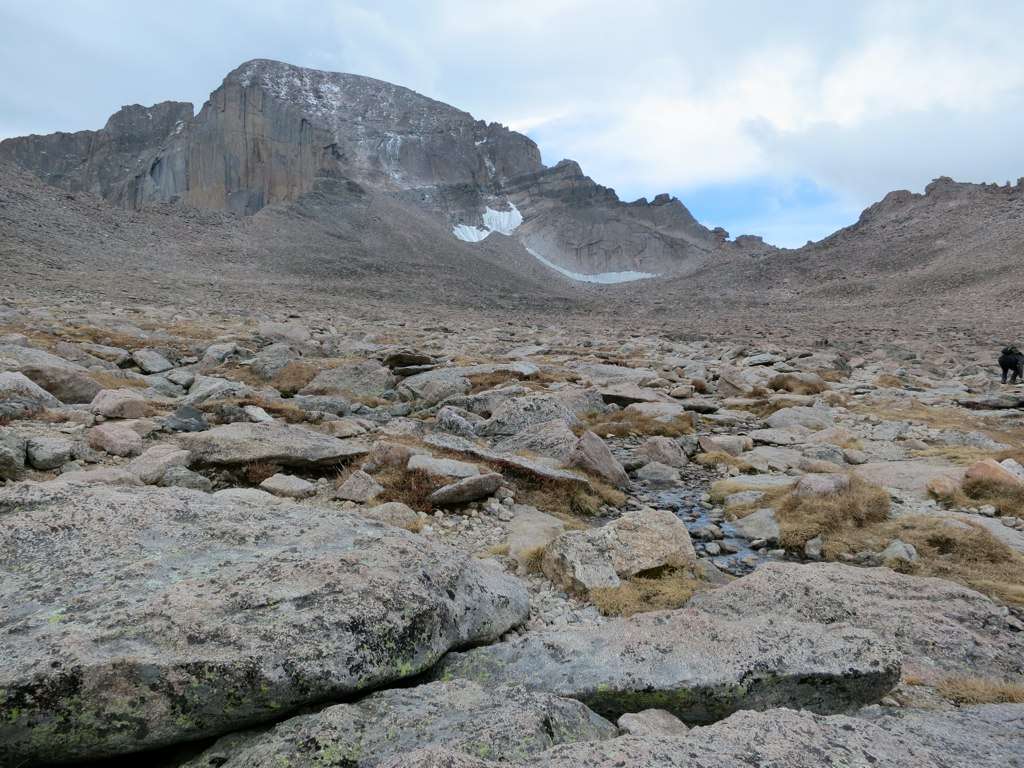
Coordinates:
273	132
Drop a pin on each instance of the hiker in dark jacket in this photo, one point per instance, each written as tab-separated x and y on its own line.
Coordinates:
1011	359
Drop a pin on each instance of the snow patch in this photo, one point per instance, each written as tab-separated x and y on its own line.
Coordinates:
604	278
502	222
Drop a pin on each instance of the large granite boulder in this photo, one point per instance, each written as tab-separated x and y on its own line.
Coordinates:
284	444
940	627
592	454
641	540
363	378
699	667
503	722
163	615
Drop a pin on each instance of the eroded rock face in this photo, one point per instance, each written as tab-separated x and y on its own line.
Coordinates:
506	722
939	626
162	615
698	667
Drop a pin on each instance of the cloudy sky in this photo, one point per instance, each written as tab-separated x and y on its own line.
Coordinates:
780	119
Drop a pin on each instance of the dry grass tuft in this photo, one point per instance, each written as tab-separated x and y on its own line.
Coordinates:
1005	497
257	471
625	422
411	487
796	385
980	690
889	381
113	381
293	377
714	458
533	558
801	518
567	500
498	550
667	590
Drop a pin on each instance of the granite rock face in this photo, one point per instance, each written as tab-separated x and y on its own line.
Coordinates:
501	723
163	615
698	667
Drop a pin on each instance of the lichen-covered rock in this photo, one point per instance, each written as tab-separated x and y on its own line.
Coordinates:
12	454
115	438
466	490
499	723
48	452
284	444
162	615
288	486
638	541
119	404
364	378
593	455
940	627
697	666
970	737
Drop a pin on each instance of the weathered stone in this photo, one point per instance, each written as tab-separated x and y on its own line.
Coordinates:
990	470
652	722
20	397
366	378
759	524
119	404
115	438
182	477
186	419
638	541
67	385
506	722
284	444
592	455
663	450
392	513
518	414
940	627
627	393
442	467
466	490
288	486
359	487
986	736
517	464
733	382
801	416
551	439
201	614
343	428
698	667
910	477
151	361
657	475
821	485
212	388
733	445
153	463
529	533
667	413
48	452
12	454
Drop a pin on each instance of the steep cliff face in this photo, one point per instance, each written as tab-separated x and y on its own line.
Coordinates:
104	162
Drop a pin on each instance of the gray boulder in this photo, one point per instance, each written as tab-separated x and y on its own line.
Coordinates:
164	615
283	444
940	627
48	452
638	541
466	490
12	454
359	487
115	438
503	722
151	361
517	414
801	416
663	450
20	397
288	486
658	475
119	404
552	439
365	378
592	454
699	667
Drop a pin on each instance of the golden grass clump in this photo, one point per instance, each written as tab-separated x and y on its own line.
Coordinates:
257	471
293	377
797	385
1007	498
626	422
714	458
801	518
666	590
980	690
411	487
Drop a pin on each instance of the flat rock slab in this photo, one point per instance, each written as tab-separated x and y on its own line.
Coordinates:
987	736
910	477
698	667
466	490
162	615
505	722
941	628
283	444
514	463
